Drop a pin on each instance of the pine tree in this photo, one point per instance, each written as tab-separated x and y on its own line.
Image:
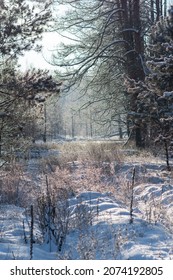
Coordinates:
154	101
21	27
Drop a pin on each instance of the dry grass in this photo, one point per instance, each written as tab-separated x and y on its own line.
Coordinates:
82	178
84	151
101	151
15	186
132	154
87	151
80	166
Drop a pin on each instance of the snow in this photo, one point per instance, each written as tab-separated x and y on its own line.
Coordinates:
99	223
168	94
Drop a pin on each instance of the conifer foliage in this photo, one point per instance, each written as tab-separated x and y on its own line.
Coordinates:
21	26
154	101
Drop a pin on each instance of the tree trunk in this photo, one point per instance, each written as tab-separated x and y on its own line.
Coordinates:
167	156
165	8
0	144
45	125
152	11
158	10
72	127
119	127
134	52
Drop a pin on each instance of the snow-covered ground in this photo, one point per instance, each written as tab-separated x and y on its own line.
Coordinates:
99	224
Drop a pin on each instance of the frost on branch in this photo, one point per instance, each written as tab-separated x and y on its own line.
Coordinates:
154	96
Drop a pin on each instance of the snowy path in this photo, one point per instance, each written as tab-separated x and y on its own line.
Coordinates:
99	223
12	244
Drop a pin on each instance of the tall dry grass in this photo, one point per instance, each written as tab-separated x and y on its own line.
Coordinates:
85	151
16	187
79	166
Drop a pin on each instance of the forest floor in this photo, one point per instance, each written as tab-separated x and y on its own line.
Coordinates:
95	207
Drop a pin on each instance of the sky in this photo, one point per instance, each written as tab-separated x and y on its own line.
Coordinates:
39	60
49	42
